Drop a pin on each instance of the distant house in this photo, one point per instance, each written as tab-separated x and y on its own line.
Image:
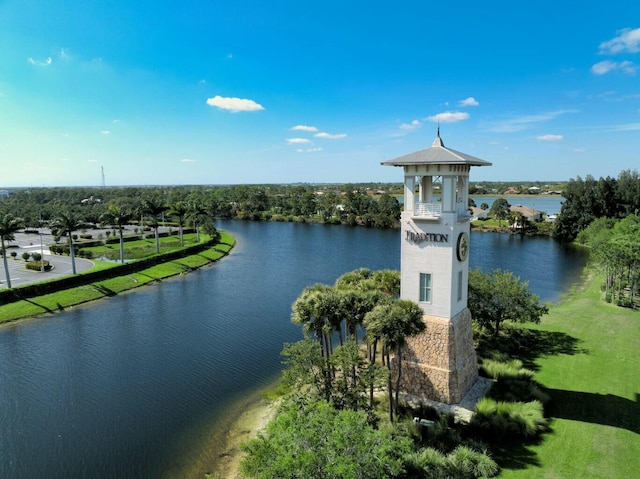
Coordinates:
91	200
529	213
478	213
4	194
534	190
511	191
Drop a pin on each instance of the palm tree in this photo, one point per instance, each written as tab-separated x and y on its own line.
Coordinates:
314	309
117	216
154	209
179	211
317	309
66	223
393	323
8	227
197	213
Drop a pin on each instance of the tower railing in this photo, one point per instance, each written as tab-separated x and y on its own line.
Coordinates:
432	210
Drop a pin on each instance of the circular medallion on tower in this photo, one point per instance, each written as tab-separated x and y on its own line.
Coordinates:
462	247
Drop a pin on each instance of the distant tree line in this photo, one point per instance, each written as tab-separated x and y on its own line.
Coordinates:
589	199
365	204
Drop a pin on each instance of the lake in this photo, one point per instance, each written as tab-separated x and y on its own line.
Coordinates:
130	387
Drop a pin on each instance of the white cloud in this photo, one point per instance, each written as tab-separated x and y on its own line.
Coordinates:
607	66
187	160
308	150
468	102
626	127
550	138
524	122
105	132
311	129
298	141
92	161
414	125
449	117
628	40
40	63
234	105
329	136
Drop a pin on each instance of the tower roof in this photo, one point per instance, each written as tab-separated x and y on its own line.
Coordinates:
438	154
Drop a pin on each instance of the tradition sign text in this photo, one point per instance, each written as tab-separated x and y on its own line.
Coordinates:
430	237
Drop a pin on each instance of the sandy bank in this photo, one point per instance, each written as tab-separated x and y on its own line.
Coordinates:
225	462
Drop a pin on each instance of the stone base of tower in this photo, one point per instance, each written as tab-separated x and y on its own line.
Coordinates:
441	364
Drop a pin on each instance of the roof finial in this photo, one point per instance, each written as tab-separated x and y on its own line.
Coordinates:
438	140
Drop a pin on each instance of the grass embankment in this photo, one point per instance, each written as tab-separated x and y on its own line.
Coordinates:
587	359
115	284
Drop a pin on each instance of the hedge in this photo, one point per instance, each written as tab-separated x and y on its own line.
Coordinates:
37	289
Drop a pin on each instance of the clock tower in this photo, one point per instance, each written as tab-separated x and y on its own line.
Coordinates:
440	364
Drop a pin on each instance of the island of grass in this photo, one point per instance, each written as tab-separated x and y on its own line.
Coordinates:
107	278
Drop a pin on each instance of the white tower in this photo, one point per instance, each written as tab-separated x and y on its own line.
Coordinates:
441	363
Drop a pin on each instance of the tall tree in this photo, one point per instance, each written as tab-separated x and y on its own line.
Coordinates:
118	217
317	309
499	296
393	323
65	223
9	225
154	208
179	212
196	215
500	209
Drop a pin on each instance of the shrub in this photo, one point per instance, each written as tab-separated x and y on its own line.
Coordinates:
59	249
37	266
85	253
500	369
26	256
462	462
513	381
501	420
14	254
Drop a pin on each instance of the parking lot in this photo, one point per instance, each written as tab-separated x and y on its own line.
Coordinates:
36	243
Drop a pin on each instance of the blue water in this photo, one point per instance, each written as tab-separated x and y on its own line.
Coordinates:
549	204
124	388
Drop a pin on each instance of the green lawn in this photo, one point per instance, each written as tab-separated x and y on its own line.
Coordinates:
143	247
61	300
588	361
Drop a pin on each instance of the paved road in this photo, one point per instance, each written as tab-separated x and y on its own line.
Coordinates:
31	243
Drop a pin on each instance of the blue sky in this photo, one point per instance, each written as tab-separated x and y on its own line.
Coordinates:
247	91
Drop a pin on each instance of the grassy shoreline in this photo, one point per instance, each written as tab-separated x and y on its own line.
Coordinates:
115	284
594	390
